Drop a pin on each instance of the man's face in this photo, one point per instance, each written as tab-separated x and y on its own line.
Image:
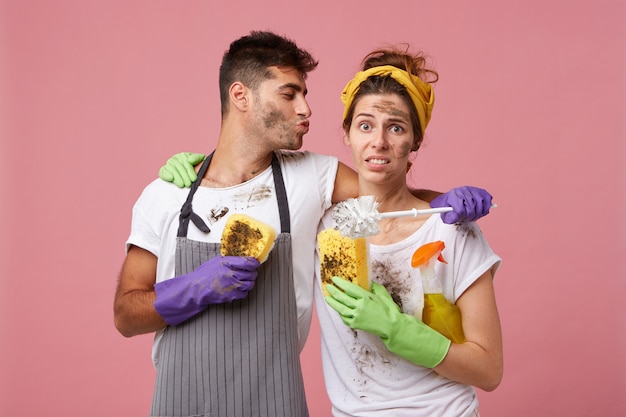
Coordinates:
282	109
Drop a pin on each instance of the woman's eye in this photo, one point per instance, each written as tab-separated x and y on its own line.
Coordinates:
397	129
365	126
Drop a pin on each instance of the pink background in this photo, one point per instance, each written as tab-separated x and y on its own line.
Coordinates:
94	96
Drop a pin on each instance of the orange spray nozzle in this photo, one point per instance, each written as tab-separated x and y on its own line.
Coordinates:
426	252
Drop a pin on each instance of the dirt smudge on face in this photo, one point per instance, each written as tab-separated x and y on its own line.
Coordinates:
389	107
272	118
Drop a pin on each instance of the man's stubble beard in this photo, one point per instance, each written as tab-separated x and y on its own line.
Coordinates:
277	127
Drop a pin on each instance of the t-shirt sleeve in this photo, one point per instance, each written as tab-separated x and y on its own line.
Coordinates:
147	224
326	168
141	232
310	181
471	257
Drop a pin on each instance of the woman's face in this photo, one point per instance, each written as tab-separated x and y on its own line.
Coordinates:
381	138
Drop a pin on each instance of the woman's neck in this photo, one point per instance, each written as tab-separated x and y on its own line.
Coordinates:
393	230
392	198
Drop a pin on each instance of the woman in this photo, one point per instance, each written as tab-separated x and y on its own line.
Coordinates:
378	360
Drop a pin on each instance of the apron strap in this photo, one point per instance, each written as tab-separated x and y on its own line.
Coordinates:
281	196
187	213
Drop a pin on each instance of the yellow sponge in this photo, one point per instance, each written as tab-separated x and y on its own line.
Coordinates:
246	236
343	257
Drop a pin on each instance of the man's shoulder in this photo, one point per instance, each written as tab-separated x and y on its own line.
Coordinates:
159	192
300	157
159	186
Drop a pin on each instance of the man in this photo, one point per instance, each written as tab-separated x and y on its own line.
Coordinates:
228	330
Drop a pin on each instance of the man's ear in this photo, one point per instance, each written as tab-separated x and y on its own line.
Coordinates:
238	94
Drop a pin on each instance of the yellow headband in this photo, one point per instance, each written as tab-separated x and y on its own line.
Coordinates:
421	93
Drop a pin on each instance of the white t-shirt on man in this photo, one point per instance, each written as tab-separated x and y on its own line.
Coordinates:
309	182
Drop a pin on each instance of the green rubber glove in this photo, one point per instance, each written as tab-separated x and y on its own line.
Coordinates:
179	169
376	312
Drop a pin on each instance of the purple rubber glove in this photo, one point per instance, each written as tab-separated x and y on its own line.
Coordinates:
221	279
469	204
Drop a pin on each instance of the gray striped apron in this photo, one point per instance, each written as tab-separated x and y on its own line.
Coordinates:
239	358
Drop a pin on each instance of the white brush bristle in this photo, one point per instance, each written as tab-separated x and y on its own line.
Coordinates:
357	217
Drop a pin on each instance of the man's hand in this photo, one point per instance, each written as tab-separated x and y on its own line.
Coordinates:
221	279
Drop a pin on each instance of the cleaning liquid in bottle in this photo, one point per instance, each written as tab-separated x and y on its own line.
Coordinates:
439	313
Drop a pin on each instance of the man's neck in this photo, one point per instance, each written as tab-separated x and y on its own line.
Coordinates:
233	164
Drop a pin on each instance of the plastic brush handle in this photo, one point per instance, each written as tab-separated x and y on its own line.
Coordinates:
415	212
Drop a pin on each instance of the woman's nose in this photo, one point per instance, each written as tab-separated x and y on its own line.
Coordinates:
379	141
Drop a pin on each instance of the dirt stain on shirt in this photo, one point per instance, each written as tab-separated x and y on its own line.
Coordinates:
397	282
217	213
258	193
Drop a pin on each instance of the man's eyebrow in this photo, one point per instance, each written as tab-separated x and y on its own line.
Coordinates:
293	86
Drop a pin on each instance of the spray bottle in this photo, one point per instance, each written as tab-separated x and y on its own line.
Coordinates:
439	313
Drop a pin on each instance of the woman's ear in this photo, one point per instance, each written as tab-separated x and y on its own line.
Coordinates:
346	138
416	144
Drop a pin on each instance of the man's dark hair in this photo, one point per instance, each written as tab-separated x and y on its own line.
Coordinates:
248	60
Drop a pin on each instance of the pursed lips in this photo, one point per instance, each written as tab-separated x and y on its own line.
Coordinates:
304	125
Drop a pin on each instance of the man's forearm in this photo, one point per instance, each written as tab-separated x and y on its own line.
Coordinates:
134	313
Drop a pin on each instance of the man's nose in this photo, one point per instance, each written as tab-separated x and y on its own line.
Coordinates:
303	108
